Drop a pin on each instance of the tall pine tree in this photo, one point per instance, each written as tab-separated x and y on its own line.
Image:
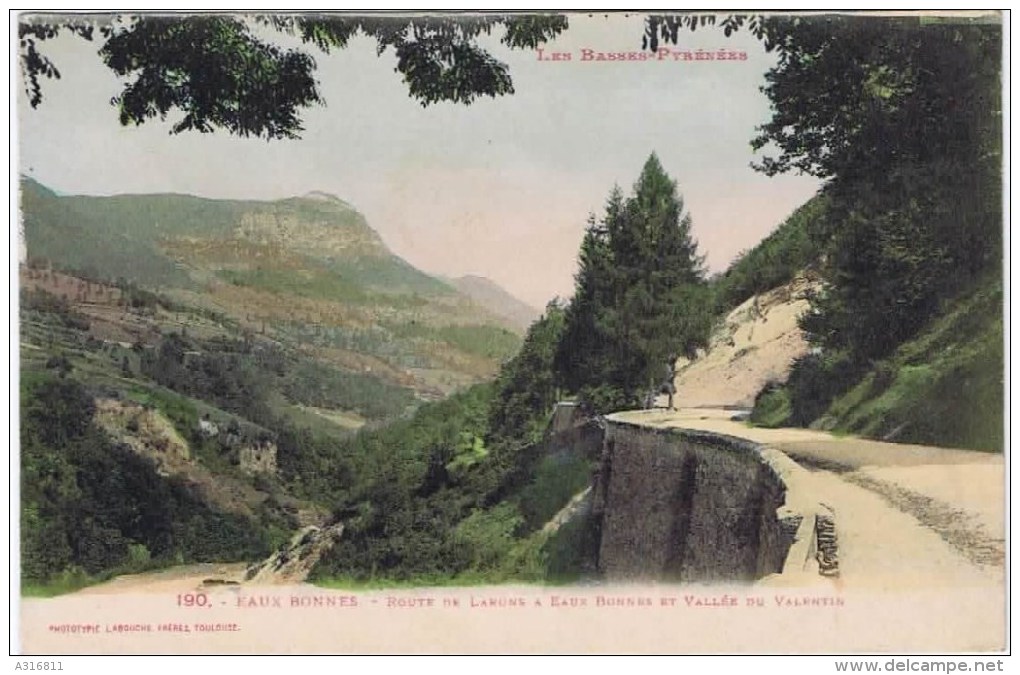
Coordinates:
640	300
585	352
525	388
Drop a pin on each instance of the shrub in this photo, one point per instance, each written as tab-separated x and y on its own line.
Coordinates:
815	381
772	407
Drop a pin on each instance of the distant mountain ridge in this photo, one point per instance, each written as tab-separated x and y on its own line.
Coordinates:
319	225
497	299
306	270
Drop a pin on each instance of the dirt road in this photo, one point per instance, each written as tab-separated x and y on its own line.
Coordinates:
907	514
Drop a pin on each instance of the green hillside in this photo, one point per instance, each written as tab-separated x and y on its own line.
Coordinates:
128	235
944	387
787	251
87	235
308	271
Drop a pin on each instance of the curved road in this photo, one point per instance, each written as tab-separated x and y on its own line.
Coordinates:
920	523
907	515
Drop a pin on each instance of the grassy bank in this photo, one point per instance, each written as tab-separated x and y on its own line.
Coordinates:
944	387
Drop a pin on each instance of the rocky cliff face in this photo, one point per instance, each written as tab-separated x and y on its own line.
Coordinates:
317	224
150	434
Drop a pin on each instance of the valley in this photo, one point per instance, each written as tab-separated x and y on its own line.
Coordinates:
231	349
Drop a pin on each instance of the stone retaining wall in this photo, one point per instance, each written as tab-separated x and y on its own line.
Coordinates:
683	505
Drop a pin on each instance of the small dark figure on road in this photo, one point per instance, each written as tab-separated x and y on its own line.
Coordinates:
668	387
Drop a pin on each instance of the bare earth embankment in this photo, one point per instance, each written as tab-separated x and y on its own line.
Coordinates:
754	345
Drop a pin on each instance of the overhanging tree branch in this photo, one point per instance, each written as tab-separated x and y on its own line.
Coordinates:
219	73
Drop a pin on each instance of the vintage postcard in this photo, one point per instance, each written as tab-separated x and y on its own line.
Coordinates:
585	333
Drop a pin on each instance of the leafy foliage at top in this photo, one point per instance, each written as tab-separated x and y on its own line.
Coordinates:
858	93
219	73
34	64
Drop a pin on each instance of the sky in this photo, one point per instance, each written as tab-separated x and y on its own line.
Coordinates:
501	188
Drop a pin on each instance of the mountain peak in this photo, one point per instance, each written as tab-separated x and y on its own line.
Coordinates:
497	299
320	196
